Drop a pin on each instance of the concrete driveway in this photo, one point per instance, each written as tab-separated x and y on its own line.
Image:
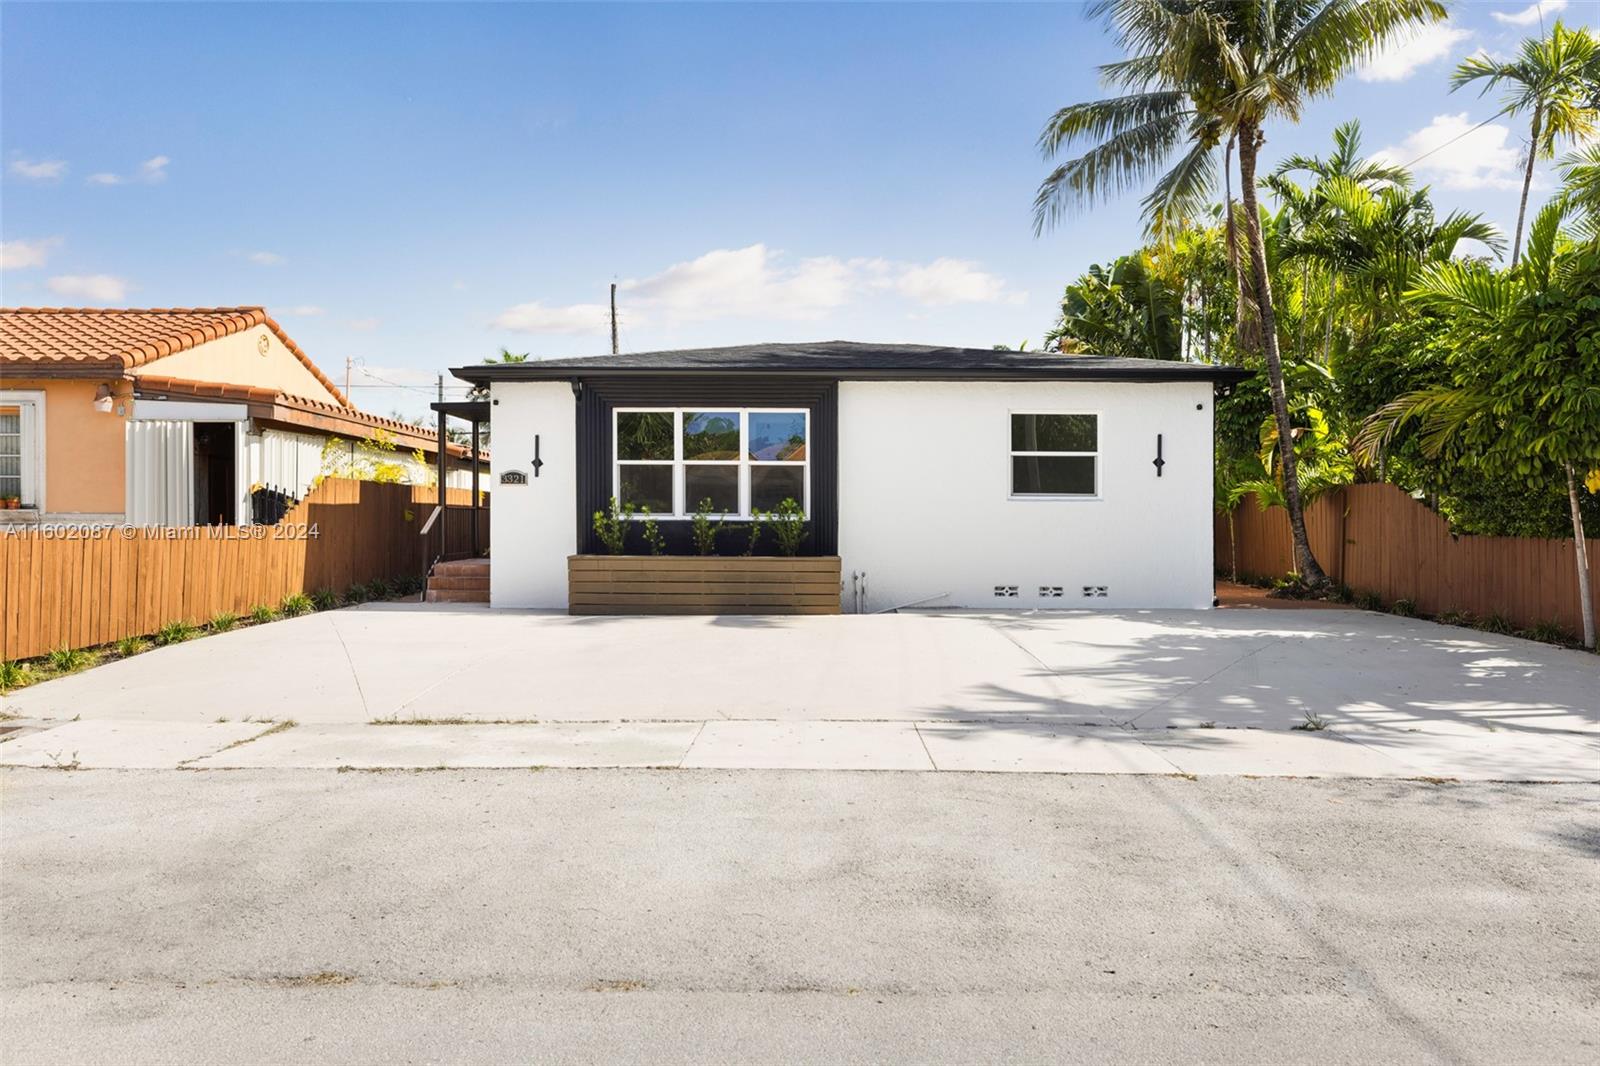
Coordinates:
1117	691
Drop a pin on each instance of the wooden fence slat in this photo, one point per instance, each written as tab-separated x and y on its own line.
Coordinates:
89	589
1396	548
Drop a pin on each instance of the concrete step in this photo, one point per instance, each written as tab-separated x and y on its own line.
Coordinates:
457	596
448	582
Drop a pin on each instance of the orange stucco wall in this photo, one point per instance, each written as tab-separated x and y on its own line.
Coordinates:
239	359
83	448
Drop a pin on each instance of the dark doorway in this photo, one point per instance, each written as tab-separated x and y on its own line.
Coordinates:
214	495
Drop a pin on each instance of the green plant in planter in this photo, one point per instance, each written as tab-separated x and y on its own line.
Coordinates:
703	529
611	526
653	538
789	527
758	519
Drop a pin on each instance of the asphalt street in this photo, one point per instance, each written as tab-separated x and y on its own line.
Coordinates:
258	916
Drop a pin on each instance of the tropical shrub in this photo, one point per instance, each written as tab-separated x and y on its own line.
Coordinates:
789	527
611	526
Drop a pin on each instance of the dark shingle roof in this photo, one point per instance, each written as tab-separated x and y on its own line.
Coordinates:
852	360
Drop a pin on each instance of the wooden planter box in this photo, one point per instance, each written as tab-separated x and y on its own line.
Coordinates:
678	584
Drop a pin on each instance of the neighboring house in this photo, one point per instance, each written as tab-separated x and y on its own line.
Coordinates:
941	476
172	417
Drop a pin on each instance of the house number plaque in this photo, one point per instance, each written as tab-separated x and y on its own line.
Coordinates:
513	477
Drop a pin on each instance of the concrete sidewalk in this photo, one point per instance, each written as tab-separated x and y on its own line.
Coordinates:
1468	753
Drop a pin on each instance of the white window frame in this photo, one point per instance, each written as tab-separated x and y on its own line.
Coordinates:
32	430
682	509
1011	454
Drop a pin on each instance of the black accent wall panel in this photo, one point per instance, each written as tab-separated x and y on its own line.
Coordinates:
597	398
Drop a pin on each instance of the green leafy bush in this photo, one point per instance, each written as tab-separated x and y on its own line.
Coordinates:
703	530
1404	608
299	603
262	613
1368	601
128	647
758	521
321	600
224	622
356	593
789	527
653	540
174	633
379	589
1498	623
611	526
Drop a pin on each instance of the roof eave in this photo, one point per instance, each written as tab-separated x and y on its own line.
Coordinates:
1192	372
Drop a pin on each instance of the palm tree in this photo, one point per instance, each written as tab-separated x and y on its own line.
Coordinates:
1200	73
1553	78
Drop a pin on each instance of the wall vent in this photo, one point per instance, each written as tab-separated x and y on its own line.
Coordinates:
1095	591
1005	591
1050	592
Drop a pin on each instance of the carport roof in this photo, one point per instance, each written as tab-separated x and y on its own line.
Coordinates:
850	360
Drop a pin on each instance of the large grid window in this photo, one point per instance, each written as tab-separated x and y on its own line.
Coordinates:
741	459
1055	454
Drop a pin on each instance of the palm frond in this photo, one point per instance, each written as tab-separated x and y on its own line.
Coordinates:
1442	411
1113	166
1182	192
1471	288
1101	119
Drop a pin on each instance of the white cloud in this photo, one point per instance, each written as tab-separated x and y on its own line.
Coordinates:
459	286
757	282
363	325
573	320
1530	14
953	281
265	258
151	172
16	255
1458	155
1408	53
38	169
747	282
100	288
304	310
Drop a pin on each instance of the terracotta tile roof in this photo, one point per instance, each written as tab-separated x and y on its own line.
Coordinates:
409	434
120	338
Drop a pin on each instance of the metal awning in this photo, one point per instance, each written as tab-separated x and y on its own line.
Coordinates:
466	410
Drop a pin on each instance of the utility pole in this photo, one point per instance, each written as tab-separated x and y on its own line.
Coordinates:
347	362
613	318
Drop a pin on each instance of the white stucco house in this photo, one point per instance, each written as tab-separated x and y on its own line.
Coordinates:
940	477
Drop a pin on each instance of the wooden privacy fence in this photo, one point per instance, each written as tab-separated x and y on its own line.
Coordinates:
80	587
1375	538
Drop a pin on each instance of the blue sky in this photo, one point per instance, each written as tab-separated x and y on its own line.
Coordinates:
413	186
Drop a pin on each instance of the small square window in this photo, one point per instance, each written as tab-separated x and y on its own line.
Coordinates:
1055	454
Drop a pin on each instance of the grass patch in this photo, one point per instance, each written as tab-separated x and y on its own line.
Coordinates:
175	633
69	660
297	604
1313	723
128	647
262	613
322	600
223	622
15	675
